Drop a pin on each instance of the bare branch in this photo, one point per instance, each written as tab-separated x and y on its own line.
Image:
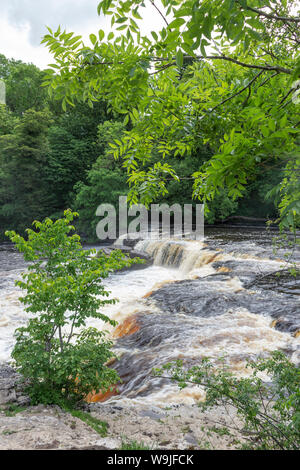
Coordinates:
275	68
161	14
238	92
285	19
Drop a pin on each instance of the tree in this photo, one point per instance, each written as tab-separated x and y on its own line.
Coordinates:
60	358
24	193
23	85
43	153
7	120
106	180
220	70
73	149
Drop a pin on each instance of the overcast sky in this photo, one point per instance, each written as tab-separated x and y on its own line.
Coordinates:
23	24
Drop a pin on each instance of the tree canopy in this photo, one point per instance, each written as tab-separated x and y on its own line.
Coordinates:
220	73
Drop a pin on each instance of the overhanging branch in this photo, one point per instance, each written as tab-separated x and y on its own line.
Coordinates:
285	19
238	92
172	63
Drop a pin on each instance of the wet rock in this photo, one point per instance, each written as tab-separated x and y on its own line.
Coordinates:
281	281
245	270
207	297
130	242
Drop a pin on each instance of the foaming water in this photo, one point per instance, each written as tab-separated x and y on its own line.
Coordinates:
12	314
130	288
193	302
183	255
234	338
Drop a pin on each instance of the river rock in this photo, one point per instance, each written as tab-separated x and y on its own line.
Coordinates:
131	253
153	414
12	387
7	395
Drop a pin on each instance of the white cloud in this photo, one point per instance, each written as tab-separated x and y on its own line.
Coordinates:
23	24
14	43
37	14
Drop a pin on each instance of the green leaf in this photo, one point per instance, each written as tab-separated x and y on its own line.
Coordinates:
121	19
255	35
93	39
179	58
101	34
136	14
272	125
176	23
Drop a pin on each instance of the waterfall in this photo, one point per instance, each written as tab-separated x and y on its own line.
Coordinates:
183	255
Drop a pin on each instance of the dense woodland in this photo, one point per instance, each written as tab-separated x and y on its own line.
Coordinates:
52	159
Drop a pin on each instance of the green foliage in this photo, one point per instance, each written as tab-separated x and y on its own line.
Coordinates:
7	120
106	181
103	186
207	77
23	190
63	289
23	86
73	148
134	445
43	154
13	409
269	413
220	208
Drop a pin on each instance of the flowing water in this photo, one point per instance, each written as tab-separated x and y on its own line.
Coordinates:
217	298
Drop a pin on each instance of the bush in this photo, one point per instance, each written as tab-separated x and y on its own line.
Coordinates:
269	412
61	359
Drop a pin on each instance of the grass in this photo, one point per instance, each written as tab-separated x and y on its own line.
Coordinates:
99	426
134	445
8	433
12	410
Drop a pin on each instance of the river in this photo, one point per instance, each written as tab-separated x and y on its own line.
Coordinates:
217	298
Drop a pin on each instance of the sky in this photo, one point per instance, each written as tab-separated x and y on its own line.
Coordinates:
23	24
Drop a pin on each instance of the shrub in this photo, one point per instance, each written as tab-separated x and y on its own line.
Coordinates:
269	412
61	359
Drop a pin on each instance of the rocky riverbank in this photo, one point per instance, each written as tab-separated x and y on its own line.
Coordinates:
25	427
45	427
